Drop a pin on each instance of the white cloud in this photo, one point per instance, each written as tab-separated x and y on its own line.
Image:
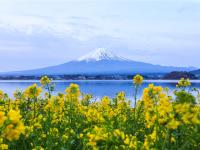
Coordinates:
145	30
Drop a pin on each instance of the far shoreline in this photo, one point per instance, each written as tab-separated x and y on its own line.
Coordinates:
104	80
175	75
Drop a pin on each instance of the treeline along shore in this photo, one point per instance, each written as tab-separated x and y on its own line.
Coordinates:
151	76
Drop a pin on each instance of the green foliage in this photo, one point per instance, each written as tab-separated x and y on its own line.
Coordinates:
184	97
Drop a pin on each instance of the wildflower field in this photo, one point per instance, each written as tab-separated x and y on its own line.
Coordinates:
72	120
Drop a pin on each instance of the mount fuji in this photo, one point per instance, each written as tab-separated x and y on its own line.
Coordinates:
101	62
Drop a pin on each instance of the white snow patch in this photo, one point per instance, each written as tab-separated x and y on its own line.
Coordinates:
100	54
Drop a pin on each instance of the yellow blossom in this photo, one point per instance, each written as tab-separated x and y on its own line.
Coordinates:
45	80
32	91
2	118
14	116
4	147
138	79
183	83
173	124
1	94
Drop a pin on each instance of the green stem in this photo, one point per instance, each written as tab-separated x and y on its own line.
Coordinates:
135	100
49	91
135	95
34	107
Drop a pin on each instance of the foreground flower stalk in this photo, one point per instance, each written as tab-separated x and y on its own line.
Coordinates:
137	81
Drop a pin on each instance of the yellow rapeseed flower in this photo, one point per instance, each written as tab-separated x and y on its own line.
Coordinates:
173	124
45	80
15	128
14	116
183	83
4	146
138	79
105	101
2	118
32	91
73	93
1	94
73	89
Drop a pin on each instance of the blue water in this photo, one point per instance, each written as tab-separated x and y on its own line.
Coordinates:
98	88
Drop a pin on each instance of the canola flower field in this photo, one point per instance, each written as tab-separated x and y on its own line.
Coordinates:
73	121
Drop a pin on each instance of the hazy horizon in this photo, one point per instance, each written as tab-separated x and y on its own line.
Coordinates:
35	33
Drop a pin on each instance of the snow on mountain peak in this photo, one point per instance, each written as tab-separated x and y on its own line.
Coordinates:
100	54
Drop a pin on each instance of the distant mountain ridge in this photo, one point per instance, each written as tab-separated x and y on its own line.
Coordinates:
196	71
101	61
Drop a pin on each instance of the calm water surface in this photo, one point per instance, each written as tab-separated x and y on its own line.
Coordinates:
98	88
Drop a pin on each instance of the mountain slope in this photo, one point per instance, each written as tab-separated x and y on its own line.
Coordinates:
196	72
102	61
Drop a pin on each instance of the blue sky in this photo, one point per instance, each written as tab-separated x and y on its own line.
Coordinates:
38	33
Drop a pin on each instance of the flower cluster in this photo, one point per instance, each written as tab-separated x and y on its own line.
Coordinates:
45	80
183	83
1	94
11	127
138	79
32	91
14	127
73	120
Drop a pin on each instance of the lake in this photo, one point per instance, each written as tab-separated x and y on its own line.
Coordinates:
98	88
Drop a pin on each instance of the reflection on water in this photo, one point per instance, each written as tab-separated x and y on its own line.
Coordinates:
97	88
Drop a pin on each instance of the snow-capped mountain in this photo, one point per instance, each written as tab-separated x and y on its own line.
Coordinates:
100	54
101	62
